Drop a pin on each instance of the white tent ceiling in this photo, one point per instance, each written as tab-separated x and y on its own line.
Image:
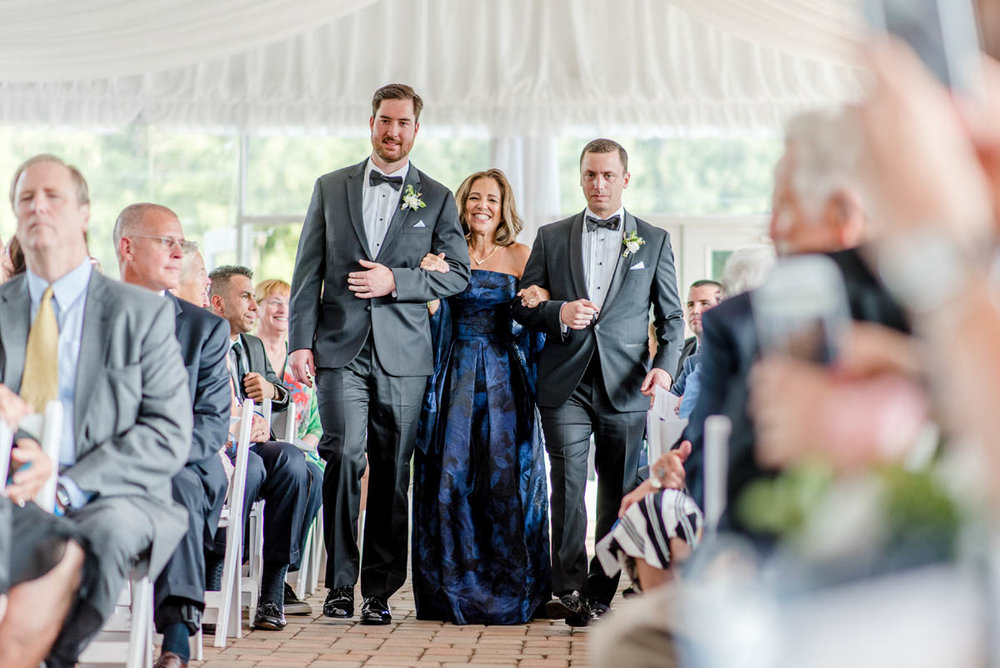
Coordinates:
506	67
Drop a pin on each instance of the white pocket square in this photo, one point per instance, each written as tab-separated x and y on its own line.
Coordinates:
420	223
639	265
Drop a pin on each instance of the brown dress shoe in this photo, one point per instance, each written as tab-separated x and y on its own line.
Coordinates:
169	660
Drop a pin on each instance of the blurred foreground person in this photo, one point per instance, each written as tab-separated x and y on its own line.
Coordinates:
108	352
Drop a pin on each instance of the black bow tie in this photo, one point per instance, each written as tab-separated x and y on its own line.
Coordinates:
375	178
609	223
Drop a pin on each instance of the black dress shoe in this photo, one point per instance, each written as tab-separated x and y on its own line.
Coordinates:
572	607
295	605
269	617
598	608
375	611
339	603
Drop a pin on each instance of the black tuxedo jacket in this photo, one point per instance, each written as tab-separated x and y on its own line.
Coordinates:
204	339
326	317
730	347
620	334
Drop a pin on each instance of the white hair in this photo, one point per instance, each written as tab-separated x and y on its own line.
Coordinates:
825	150
746	269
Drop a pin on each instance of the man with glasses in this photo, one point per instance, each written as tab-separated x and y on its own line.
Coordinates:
150	245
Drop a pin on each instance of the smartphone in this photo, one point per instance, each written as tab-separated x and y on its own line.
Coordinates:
801	310
944	34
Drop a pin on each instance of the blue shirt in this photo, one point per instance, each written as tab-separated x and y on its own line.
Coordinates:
69	298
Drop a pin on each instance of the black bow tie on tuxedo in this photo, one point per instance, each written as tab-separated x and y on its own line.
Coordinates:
375	178
609	223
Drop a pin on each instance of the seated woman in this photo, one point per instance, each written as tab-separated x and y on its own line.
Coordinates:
41	558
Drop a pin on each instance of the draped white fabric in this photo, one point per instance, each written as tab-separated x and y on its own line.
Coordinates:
516	68
61	40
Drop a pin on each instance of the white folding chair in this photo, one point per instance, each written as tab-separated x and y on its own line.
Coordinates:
717	430
223	607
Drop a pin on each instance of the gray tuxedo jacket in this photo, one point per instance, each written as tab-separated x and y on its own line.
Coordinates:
326	317
620	333
132	407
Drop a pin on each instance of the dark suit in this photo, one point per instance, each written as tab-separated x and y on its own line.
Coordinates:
201	485
729	349
289	485
589	381
690	348
132	426
372	357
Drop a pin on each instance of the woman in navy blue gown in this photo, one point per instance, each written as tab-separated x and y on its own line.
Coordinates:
480	507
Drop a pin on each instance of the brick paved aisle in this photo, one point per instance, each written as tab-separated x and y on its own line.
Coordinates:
318	642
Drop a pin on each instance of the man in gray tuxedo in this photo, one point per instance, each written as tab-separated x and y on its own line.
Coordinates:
108	353
594	371
359	323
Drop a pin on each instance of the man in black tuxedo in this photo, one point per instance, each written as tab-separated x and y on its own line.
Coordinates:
359	324
594	371
149	242
291	489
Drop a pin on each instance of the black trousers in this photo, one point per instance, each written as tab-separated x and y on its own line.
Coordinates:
180	589
618	441
278	473
361	406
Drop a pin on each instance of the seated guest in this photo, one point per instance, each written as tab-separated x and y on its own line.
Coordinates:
272	329
41	558
702	295
108	353
192	285
744	270
149	242
292	486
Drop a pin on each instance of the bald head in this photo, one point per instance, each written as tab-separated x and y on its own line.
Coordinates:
149	242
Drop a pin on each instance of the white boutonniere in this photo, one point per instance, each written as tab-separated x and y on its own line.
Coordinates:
411	199
632	243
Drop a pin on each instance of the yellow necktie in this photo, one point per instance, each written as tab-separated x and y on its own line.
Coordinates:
40	382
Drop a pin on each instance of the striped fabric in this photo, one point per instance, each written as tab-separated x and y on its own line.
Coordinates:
645	531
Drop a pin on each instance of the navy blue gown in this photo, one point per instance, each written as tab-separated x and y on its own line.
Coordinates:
480	507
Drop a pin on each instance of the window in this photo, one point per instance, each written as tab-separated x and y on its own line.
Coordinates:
691	176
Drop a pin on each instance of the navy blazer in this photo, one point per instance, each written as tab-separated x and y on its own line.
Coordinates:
204	339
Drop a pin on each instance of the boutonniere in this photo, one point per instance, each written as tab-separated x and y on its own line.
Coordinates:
632	243
411	199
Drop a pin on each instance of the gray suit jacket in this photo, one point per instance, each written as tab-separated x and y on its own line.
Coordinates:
132	407
620	333
326	316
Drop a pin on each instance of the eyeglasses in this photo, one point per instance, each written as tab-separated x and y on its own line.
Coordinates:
169	243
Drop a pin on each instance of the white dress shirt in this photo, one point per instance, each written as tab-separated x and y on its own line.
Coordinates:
378	205
602	249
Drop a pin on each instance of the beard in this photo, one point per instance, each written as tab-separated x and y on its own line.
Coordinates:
393	153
